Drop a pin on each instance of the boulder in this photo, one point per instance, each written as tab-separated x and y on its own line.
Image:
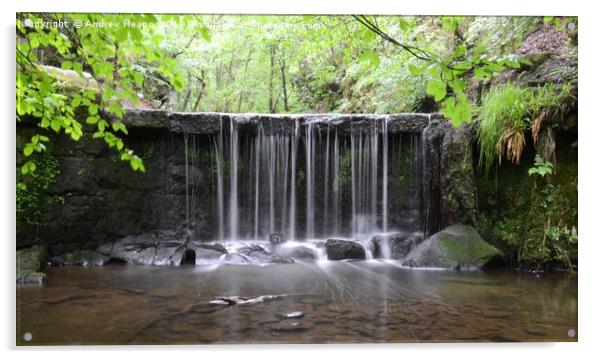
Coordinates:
337	249
394	245
207	253
456	247
258	255
298	252
277	238
150	248
234	258
29	265
84	257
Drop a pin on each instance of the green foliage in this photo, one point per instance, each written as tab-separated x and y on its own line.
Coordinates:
337	64
508	112
100	73
32	190
541	167
503	120
500	34
534	217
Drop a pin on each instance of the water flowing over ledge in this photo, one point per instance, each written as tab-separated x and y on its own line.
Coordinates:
383	182
210	122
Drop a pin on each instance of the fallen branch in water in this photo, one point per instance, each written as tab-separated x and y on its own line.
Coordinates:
238	300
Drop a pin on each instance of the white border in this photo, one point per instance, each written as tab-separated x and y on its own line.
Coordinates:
589	157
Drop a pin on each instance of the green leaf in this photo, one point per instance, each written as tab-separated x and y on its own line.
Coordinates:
205	34
28	168
493	67
437	89
67	65
370	56
91	120
460	50
403	25
76	101
415	70
55	124
28	150
93	109
482	73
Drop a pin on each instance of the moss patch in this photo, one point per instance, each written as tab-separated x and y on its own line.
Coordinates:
29	263
466	250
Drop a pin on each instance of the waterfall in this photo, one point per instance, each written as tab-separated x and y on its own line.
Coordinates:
219	159
310	163
256	216
364	182
336	186
233	211
326	176
385	169
293	192
343	172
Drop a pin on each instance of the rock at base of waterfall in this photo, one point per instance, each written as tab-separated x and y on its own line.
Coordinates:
29	265
394	245
83	257
298	252
277	238
258	255
207	253
161	248
456	247
337	249
234	258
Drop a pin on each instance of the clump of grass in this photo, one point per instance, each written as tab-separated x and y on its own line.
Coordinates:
504	118
508	111
546	103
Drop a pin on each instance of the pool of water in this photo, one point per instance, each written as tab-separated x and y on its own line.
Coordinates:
341	302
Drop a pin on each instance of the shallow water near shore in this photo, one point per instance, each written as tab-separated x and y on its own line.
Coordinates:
342	302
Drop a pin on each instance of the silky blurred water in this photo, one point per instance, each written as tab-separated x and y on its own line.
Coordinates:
342	302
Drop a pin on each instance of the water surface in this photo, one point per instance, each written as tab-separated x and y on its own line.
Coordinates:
342	302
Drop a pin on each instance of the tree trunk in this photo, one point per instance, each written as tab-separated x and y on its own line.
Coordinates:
201	91
271	106
283	75
188	93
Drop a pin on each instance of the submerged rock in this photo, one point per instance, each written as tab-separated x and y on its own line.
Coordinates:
29	265
291	326
290	315
84	257
458	246
394	245
337	249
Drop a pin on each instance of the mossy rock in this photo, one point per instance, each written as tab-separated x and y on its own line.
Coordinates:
84	257
29	264
456	247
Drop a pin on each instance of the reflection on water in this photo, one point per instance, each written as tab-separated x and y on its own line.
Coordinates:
342	302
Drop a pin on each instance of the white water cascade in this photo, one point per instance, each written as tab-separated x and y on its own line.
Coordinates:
309	179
